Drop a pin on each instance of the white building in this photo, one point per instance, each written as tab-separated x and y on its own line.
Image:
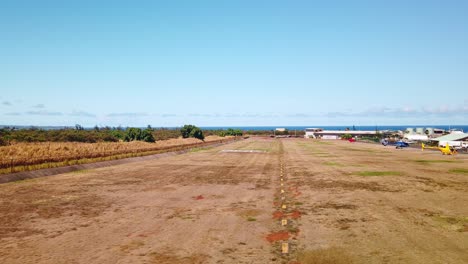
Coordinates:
309	132
335	134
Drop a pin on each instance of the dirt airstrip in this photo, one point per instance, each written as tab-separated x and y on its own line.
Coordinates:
342	203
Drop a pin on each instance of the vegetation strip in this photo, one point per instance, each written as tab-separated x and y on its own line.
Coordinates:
379	173
459	171
101	162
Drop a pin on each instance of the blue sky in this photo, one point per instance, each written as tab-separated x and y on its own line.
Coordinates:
233	63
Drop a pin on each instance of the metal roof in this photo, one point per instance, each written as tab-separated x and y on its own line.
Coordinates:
451	137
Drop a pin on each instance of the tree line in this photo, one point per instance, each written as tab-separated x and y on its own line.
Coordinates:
107	134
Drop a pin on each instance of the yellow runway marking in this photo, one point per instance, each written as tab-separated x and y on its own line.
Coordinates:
285	248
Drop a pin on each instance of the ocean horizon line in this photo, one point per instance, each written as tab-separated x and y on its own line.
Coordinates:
253	128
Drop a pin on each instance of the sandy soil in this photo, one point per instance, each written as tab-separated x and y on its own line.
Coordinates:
344	202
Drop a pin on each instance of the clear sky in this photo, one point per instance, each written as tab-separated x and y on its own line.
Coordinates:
233	63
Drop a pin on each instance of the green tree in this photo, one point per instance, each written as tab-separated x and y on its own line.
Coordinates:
197	133
192	131
238	132
186	130
133	134
147	135
346	136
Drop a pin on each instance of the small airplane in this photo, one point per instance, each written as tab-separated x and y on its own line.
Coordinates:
445	150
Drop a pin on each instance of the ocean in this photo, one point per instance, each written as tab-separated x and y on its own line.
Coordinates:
290	128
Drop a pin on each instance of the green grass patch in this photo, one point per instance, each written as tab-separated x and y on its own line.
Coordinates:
251	219
320	155
332	163
453	223
360	150
194	150
434	161
459	171
379	173
322	142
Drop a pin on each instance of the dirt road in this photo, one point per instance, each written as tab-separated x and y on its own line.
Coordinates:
343	202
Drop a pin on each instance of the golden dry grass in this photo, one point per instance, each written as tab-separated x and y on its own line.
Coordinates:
26	154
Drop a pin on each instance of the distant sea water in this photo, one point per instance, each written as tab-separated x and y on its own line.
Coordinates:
290	128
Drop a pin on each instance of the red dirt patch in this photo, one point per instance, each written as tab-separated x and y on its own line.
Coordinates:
278	215
283	235
199	197
295	214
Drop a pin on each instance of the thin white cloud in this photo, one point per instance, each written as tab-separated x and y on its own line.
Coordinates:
13	114
127	114
299	115
337	114
205	115
406	112
39	106
168	115
44	113
82	113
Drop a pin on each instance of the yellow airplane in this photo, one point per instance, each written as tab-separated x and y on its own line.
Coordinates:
445	150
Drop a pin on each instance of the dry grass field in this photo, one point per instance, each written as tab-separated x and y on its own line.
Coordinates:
21	156
343	202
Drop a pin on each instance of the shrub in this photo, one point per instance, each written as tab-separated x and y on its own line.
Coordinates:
133	134
186	130
192	131
197	133
346	136
230	132
147	135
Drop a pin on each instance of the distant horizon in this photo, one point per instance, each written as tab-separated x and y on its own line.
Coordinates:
455	126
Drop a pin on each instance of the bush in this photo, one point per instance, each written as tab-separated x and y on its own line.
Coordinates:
231	132
132	134
136	134
197	133
346	136
192	131
147	136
